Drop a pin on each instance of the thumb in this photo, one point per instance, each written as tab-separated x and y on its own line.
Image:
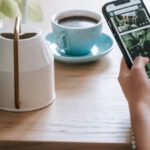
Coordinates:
139	64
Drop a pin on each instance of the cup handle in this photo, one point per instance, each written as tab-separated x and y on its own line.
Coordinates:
63	41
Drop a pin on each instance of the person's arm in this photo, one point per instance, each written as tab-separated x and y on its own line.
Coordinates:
136	87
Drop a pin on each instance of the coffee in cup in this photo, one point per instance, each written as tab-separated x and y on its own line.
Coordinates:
78	21
76	31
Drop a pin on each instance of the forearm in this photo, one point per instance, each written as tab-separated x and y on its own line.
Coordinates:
140	120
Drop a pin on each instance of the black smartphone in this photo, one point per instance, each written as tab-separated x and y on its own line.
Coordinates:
129	21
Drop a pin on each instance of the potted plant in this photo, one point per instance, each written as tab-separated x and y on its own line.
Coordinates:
14	8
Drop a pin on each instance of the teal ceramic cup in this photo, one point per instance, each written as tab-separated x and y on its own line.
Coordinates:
78	36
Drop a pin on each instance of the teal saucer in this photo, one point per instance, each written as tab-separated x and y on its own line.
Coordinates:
101	47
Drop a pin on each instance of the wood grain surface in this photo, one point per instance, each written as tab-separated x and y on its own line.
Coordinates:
90	111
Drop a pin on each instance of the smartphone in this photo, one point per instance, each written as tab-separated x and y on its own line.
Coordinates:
129	21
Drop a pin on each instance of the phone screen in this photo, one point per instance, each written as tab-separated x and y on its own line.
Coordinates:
132	23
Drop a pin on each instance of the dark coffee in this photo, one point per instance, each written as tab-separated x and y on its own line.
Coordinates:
78	21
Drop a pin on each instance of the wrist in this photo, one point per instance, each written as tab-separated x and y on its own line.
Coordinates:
140	124
139	112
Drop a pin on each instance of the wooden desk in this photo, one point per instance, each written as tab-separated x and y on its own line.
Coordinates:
90	111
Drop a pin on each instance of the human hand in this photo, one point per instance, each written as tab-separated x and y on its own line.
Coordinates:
135	83
136	87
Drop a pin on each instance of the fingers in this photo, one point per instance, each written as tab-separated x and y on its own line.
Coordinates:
141	61
139	65
137	69
124	71
123	68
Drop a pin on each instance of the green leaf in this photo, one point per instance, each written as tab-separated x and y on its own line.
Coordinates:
2	15
35	10
9	8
